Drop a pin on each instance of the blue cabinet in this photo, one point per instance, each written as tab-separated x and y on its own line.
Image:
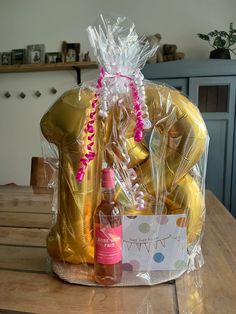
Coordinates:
180	84
219	117
210	84
233	186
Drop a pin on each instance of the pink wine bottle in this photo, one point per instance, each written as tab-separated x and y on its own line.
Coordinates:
108	234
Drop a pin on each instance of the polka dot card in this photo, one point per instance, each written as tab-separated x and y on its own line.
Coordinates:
154	243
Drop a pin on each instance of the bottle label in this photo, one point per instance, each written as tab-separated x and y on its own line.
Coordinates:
108	245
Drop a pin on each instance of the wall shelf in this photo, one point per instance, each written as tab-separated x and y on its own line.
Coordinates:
46	67
19	68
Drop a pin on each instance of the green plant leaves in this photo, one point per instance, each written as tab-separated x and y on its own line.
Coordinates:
213	33
223	34
232	40
219	42
203	36
220	39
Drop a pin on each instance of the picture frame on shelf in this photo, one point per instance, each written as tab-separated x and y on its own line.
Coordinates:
6	58
70	52
18	56
36	54
53	57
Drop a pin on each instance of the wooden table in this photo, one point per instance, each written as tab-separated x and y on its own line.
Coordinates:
25	285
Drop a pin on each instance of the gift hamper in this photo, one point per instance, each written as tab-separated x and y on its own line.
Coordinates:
129	159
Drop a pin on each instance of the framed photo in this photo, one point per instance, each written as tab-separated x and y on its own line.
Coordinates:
52	57
6	58
36	54
70	52
18	56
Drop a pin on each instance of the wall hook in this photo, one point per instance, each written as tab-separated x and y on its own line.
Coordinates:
53	90
22	95
7	95
37	93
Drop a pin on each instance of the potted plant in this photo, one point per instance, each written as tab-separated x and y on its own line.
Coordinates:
221	41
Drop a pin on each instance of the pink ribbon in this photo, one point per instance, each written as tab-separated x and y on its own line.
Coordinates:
89	127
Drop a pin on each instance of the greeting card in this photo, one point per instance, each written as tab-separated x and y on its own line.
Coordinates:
154	243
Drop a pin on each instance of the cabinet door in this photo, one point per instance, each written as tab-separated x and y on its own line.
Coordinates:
233	190
180	84
215	98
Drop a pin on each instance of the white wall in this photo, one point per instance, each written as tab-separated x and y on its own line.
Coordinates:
51	21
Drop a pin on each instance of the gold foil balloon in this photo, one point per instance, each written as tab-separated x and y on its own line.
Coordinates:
181	131
162	162
71	238
138	153
186	198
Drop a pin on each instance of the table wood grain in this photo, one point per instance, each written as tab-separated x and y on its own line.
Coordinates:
212	289
26	284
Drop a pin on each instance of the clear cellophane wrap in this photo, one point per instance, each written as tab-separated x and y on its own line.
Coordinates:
159	178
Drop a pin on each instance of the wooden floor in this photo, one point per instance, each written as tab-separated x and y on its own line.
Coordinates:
25	285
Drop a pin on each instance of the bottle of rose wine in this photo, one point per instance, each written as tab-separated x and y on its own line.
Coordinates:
108	234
